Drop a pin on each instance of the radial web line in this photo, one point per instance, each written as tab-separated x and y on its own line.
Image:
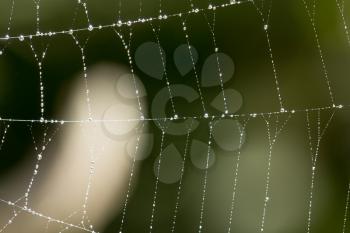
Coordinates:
311	16
314	150
236	170
179	188
205	179
155	194
272	138
346	209
131	176
162	57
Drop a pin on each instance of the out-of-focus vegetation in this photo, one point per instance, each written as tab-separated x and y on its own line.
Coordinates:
240	34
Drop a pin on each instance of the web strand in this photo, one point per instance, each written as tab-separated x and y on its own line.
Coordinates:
236	171
272	138
205	179
346	209
155	194
229	116
179	188
131	177
311	15
314	150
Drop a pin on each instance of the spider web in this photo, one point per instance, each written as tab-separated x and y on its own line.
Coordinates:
316	119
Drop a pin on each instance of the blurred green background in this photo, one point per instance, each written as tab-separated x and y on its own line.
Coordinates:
239	33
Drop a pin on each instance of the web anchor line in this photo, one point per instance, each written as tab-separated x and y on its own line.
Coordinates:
208	118
126	23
